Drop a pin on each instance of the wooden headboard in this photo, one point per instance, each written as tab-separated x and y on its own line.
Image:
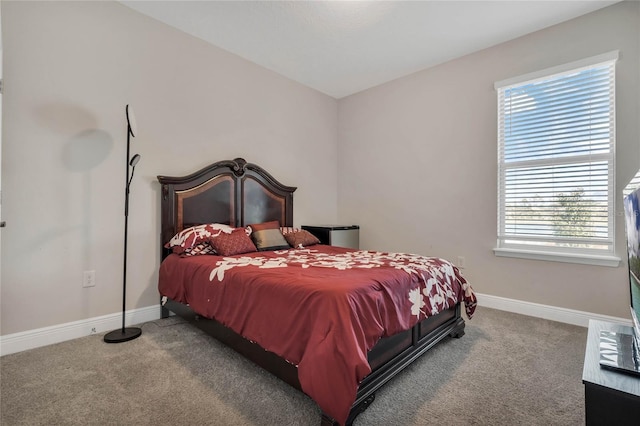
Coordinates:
233	192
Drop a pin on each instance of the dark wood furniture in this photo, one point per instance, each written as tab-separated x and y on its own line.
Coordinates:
611	397
239	193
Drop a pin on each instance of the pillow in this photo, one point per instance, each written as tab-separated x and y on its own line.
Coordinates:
301	238
288	229
274	224
198	249
195	239
267	236
236	242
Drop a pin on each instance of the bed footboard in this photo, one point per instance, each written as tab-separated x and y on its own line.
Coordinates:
388	358
424	335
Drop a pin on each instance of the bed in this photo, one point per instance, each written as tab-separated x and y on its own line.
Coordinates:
332	322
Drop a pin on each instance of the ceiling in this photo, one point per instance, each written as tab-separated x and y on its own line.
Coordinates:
343	47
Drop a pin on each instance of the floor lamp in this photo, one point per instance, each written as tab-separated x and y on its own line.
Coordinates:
129	333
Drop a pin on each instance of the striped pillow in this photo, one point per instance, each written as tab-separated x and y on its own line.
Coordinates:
267	236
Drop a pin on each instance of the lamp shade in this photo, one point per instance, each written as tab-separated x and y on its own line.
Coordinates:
134	160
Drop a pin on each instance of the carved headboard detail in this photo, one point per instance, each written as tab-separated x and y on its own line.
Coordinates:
231	191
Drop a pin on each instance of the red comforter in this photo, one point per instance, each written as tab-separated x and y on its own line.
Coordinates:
321	308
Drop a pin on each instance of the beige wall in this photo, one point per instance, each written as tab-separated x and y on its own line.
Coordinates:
70	68
418	164
429	139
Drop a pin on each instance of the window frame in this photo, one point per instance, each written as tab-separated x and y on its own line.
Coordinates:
601	257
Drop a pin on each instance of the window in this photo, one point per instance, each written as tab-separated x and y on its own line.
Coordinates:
556	146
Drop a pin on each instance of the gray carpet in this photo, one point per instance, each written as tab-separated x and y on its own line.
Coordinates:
508	369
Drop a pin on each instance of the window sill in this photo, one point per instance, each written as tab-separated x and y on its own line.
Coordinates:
585	259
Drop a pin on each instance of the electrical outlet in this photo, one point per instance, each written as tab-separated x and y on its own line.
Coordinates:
88	278
462	262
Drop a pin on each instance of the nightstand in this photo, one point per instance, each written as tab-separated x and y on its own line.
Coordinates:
336	235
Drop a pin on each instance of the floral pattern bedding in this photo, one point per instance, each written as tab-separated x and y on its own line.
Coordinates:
321	308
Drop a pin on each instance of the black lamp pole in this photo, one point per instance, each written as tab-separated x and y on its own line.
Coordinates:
128	333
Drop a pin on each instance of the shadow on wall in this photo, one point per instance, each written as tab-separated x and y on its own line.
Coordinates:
82	152
86	150
84	147
87	146
65	119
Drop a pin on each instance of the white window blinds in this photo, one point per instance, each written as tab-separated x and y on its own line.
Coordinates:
555	160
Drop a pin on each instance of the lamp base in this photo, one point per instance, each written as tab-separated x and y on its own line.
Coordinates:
122	335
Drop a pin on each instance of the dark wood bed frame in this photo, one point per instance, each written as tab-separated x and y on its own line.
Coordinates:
238	193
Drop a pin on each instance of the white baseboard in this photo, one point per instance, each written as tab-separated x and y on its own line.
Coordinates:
554	313
17	342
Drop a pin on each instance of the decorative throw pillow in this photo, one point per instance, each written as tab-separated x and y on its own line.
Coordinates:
274	224
236	242
267	236
198	249
288	229
301	238
195	239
